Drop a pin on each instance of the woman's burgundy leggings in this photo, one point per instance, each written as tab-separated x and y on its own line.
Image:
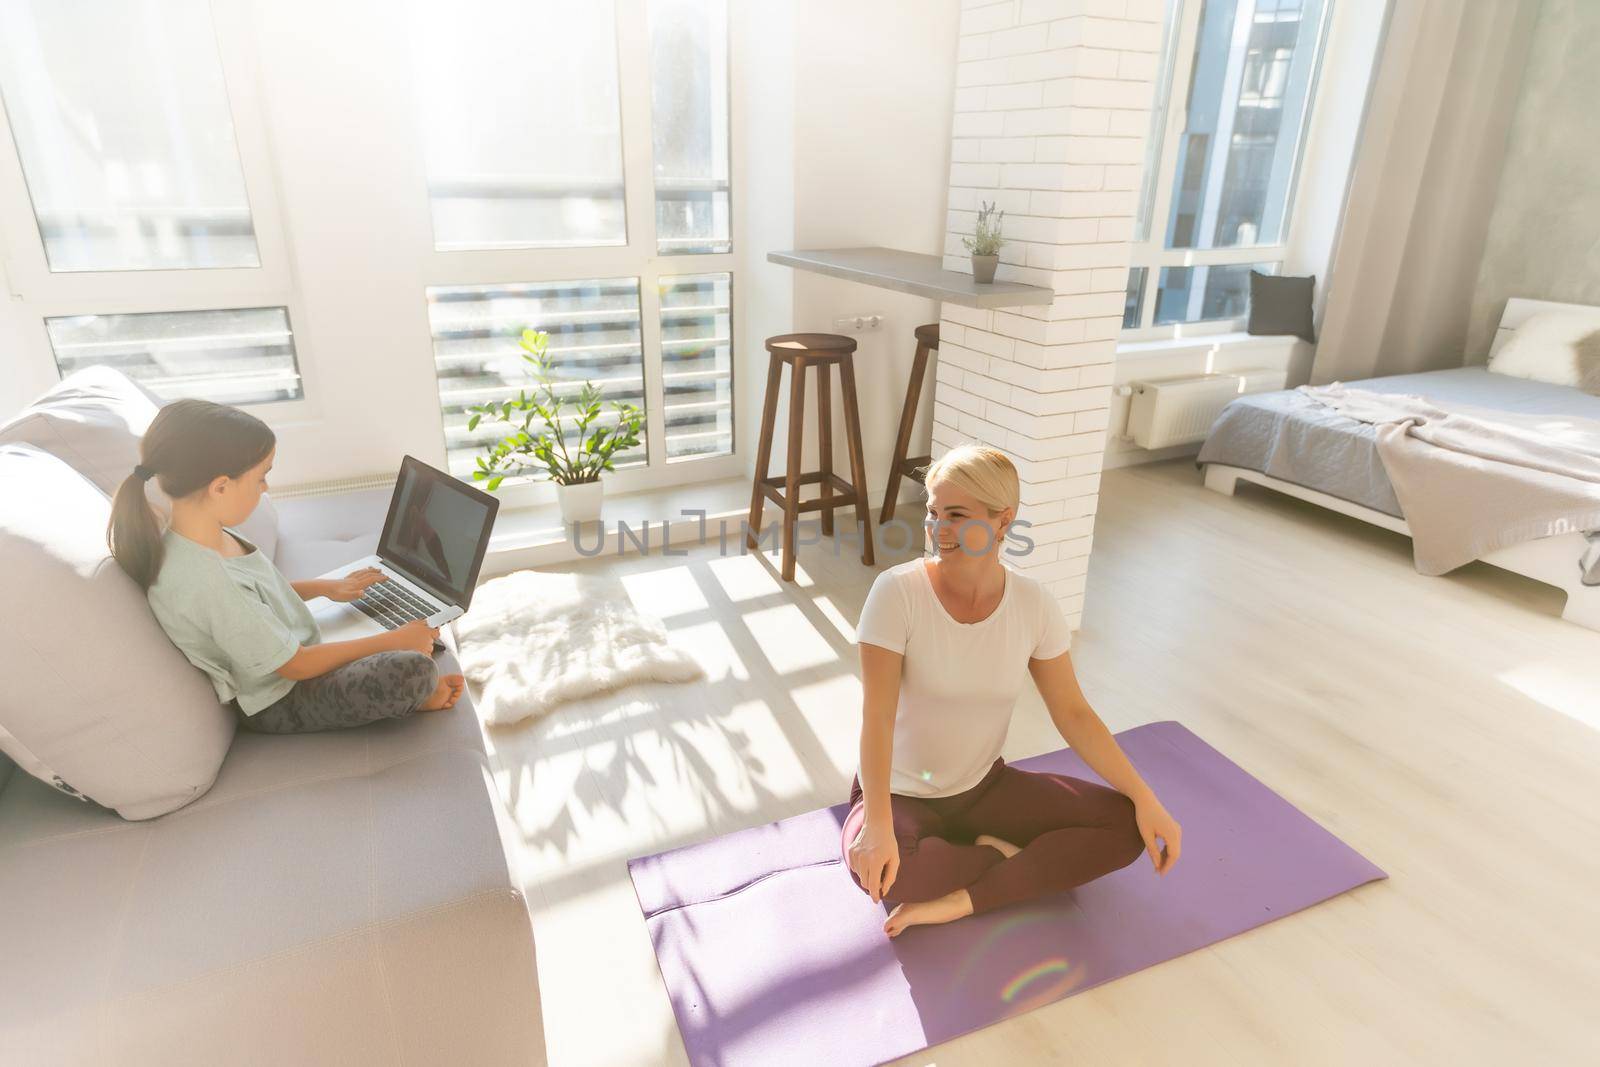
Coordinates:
1070	832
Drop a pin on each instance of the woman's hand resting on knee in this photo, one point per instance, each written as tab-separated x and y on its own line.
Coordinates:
875	857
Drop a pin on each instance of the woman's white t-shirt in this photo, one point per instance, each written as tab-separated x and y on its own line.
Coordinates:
960	680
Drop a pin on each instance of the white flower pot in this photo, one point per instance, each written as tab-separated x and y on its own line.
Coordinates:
983	268
580	503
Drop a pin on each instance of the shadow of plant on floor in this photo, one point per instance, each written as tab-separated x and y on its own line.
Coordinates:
613	757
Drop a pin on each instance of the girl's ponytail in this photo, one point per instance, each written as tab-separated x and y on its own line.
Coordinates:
189	445
134	534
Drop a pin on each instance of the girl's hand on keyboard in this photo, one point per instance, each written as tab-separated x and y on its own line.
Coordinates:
352	585
414	636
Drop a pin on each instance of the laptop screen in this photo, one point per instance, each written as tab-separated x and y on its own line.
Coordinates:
437	530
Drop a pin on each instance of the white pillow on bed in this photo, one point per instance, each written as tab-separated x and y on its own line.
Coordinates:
1559	347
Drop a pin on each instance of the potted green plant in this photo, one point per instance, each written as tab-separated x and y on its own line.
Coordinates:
985	244
561	435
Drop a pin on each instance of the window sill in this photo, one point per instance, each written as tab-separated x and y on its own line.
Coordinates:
535	536
1237	341
1176	357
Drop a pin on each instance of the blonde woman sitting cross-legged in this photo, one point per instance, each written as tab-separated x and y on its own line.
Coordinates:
939	825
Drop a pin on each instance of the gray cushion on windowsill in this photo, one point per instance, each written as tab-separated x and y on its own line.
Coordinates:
1281	305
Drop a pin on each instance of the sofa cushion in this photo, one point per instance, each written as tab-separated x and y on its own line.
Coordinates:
258	762
98	702
324	532
93	420
303	557
1280	306
349	916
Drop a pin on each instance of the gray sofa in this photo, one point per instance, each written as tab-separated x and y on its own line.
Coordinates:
332	898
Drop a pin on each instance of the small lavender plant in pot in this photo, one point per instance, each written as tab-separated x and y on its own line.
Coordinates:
985	244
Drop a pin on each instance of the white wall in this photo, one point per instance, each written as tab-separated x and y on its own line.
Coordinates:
763	197
1542	233
870	89
349	170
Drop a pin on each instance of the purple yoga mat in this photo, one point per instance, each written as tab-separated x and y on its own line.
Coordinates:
771	955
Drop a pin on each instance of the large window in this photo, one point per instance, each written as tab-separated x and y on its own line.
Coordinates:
236	356
132	236
121	121
1233	96
594	335
456	172
697	364
582	190
521	123
689	96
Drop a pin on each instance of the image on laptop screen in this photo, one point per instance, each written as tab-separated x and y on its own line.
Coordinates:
437	528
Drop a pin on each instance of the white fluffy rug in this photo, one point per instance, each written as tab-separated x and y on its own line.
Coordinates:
534	640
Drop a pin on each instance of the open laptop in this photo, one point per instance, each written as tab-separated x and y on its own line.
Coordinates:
433	543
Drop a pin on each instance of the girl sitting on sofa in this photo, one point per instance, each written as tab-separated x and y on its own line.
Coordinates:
234	614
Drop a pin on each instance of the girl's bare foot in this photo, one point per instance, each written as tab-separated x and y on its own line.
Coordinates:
445	694
1006	848
945	909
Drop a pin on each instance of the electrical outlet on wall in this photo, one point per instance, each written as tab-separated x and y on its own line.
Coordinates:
866	320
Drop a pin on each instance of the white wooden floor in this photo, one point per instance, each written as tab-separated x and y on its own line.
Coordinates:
1448	728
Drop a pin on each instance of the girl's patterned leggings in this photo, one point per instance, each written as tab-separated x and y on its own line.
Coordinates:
385	685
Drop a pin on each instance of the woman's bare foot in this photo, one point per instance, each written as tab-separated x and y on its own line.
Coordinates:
445	694
945	909
1006	848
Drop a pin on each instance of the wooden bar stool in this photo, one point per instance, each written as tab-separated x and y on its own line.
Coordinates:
902	466
800	351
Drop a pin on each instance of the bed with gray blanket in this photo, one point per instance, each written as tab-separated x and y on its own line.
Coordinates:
1294	442
1293	438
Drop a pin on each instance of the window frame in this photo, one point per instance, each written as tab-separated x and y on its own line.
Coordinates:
637	258
1151	253
43	294
376	401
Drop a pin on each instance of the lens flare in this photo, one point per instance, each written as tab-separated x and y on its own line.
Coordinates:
1042	984
1028	925
1013	988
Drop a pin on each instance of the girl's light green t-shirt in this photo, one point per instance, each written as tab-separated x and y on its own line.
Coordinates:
236	618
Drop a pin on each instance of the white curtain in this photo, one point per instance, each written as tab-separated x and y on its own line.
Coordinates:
1422	190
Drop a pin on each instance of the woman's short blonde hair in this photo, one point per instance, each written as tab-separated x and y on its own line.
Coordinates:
983	472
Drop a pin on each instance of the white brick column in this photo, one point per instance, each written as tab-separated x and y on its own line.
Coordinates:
1051	115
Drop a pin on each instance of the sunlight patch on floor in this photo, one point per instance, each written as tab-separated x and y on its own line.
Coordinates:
642	781
709	644
743	577
832	708
601	935
664	591
1560	686
841	625
788	640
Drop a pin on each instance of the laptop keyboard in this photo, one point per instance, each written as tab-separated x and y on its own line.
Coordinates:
391	605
